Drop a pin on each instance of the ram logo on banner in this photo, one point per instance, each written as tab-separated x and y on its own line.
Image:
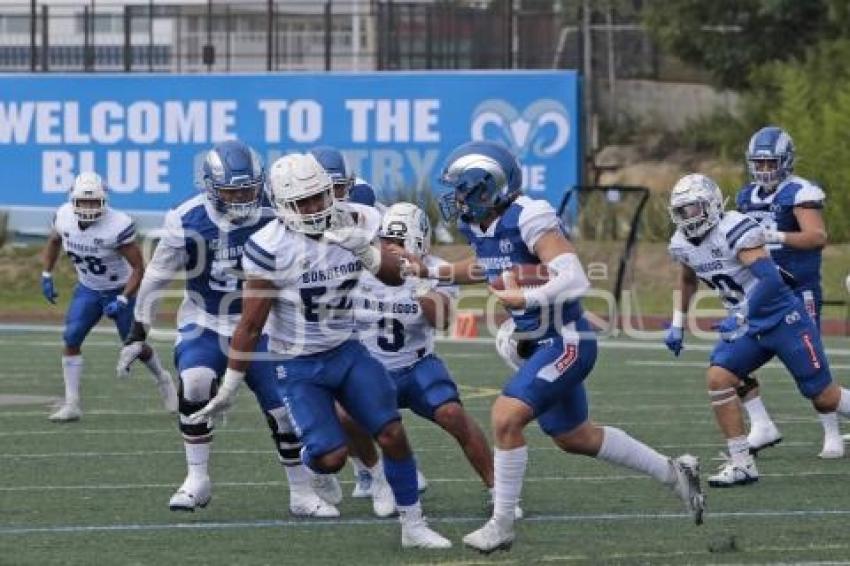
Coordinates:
148	134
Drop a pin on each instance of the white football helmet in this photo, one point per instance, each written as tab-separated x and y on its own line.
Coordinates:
696	205
506	345
88	197
302	193
407	222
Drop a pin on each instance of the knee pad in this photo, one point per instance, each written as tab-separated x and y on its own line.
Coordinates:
747	384
197	386
283	434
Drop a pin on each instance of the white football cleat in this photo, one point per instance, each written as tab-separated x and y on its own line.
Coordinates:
66	413
194	493
168	392
494	535
383	500
417	534
327	487
305	503
730	475
833	448
421	481
687	485
362	485
762	437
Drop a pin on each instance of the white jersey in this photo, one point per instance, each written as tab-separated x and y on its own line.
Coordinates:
203	242
390	322
715	258
313	310
94	250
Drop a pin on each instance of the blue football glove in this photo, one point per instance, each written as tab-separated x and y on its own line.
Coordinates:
113	309
47	288
732	327
675	339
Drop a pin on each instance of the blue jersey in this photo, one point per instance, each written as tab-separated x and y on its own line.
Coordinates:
509	241
775	211
212	248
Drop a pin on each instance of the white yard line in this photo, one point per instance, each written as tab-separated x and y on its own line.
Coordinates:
259	484
314	523
614	343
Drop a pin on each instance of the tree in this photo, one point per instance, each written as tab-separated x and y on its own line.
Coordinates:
731	38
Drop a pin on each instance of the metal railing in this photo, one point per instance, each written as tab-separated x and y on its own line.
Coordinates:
292	35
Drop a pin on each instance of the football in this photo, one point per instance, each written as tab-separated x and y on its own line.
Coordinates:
525	275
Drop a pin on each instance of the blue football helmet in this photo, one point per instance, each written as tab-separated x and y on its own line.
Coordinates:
770	157
331	159
234	179
484	176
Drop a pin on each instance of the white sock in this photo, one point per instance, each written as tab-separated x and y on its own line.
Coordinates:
739	450
298	476
509	471
844	404
830	424
758	413
410	513
72	371
621	449
197	459
155	366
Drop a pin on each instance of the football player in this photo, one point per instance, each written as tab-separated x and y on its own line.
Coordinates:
101	242
397	326
505	229
790	209
364	458
301	273
206	236
727	251
347	186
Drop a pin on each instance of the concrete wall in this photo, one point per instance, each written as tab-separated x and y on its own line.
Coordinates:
667	105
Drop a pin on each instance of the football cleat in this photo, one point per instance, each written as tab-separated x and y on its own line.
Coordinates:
687	485
730	475
362	485
192	494
168	392
305	503
494	535
762	437
66	413
327	487
421	481
417	534
383	500
833	448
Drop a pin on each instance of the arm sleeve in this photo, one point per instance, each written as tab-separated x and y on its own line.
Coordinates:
172	232
568	283
127	234
745	234
166	262
809	196
260	263
536	219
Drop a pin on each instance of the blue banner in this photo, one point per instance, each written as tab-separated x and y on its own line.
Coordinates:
145	134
